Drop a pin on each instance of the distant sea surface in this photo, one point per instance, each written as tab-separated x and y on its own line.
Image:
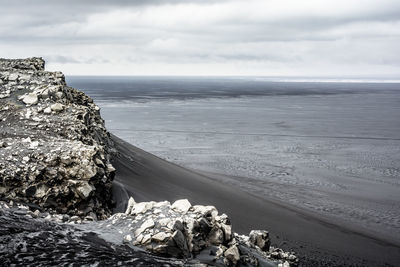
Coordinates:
327	147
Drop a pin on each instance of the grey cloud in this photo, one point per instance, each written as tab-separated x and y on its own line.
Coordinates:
71	59
60	59
53	27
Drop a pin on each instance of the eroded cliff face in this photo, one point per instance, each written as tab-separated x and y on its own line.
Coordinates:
54	148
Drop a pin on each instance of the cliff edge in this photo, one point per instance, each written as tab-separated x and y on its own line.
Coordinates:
54	148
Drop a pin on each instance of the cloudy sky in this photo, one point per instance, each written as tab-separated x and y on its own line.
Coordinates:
205	37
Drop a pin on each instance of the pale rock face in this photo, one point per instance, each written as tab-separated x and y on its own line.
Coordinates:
41	191
232	254
216	236
206	210
147	224
260	238
28	114
131	204
33	145
85	190
161	236
57	107
182	205
47	110
110	168
146	239
285	264
30	99
141	207
88	172
164	221
227	229
13	77
127	239
59	95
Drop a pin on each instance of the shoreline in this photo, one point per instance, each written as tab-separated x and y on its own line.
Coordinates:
316	241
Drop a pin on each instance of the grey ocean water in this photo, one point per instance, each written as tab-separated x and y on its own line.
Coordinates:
330	148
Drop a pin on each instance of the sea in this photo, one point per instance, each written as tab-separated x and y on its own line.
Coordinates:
325	146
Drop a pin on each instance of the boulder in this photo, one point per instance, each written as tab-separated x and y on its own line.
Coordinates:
147	224
182	205
13	77
57	107
141	207
260	238
232	254
131	204
85	189
30	99
47	110
161	237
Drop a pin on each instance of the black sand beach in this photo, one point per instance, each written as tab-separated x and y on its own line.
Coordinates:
317	241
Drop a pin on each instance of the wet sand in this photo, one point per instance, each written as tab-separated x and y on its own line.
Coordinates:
316	240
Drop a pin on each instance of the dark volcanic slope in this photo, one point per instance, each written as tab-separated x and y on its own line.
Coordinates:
38	242
147	177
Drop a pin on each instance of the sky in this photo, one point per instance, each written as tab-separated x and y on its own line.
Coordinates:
342	38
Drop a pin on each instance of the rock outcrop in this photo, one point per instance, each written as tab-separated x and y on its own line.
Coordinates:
183	231
40	239
54	148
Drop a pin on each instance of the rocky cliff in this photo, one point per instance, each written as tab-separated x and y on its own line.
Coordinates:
54	148
55	186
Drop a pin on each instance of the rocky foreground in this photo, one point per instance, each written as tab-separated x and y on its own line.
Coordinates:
55	182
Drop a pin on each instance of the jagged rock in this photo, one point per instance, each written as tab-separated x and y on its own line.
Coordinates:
227	230
47	110
131	203
69	168
85	190
181	244
161	237
57	107
260	238
184	231
141	207
232	254
33	144
147	224
27	241
127	239
30	99
182	205
13	77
